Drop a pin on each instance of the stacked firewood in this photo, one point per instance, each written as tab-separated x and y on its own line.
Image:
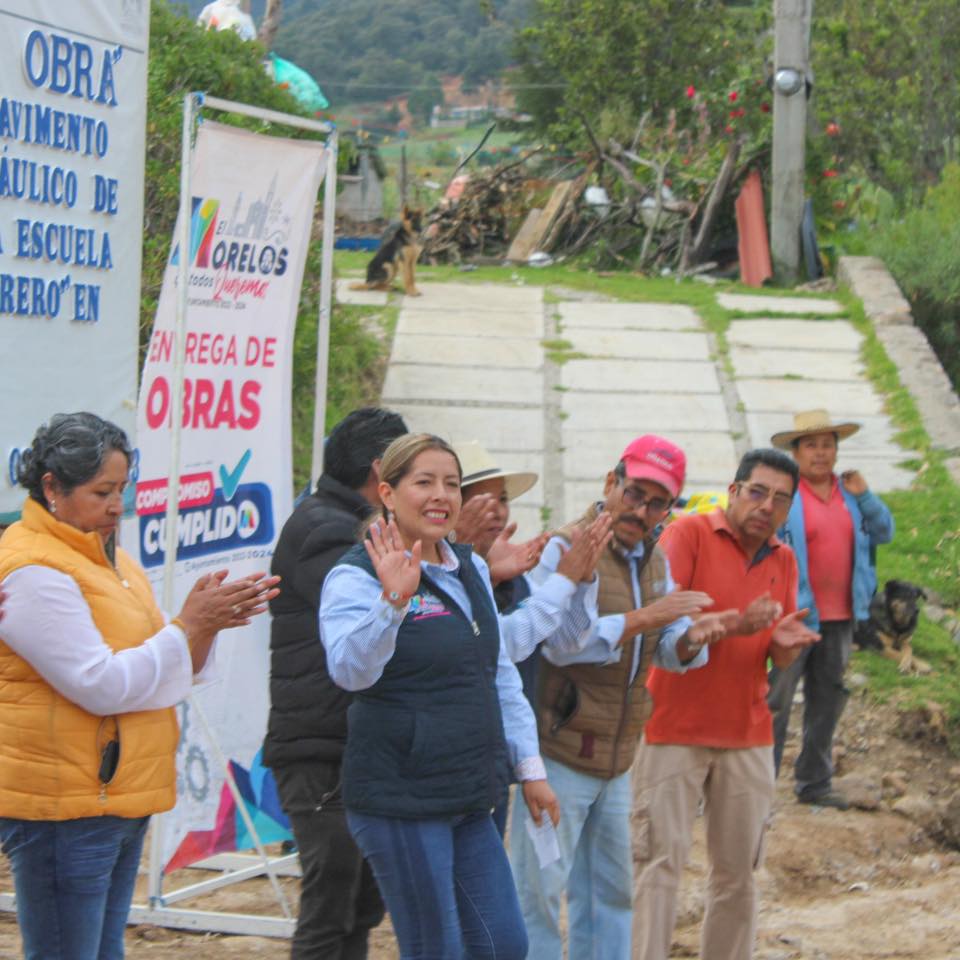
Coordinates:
476	224
640	225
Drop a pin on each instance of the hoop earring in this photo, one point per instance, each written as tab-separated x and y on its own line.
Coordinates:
452	536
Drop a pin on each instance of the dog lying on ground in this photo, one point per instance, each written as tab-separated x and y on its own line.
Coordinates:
398	252
893	619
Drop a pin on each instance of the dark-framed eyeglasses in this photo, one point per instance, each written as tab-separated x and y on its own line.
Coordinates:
635	498
758	493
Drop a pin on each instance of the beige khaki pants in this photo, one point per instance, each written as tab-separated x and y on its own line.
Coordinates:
737	791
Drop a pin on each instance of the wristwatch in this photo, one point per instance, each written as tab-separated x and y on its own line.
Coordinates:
395	599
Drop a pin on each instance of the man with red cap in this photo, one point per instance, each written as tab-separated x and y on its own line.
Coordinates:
591	706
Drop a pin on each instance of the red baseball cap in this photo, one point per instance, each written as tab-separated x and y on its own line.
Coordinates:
652	458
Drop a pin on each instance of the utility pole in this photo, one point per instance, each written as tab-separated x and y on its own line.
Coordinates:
791	73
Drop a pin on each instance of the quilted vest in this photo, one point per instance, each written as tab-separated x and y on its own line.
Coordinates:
590	716
426	740
49	746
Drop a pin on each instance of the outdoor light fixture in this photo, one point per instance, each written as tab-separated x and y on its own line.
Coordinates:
788	81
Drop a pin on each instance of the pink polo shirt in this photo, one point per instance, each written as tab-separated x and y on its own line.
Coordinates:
829	530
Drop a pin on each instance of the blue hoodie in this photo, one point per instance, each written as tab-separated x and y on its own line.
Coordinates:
872	525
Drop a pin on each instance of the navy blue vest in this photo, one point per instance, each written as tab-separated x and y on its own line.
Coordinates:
509	594
426	740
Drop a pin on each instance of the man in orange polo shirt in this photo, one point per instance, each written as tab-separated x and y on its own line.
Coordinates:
710	736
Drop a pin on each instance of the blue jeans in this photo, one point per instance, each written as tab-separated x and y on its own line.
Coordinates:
447	885
74	883
595	868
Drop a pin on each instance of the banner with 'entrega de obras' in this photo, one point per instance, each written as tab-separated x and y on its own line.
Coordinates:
252	206
73	81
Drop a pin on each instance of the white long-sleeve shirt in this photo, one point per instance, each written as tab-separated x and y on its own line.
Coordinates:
359	629
47	621
600	642
557	608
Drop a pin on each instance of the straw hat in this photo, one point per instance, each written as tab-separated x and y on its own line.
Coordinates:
478	465
808	422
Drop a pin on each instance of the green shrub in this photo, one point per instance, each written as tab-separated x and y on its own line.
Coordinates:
922	250
183	57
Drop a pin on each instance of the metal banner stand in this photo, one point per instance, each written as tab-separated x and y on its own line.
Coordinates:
232	868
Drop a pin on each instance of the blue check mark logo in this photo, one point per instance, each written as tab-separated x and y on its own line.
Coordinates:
230	479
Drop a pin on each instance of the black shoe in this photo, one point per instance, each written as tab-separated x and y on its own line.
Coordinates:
828	798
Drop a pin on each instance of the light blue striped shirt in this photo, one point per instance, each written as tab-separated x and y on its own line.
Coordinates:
601	640
359	632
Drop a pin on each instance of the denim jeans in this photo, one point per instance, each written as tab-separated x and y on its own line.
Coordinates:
74	883
447	885
339	899
595	868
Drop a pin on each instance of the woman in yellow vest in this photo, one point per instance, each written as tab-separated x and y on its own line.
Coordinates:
89	673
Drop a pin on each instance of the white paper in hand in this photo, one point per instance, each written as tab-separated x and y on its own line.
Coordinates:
544	837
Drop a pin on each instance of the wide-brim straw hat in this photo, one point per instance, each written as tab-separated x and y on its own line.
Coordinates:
479	465
808	422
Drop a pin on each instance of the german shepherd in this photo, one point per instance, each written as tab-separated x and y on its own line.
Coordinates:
398	252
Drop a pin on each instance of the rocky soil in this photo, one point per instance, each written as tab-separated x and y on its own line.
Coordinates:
874	883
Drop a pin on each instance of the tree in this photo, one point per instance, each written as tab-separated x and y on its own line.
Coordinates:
428	94
580	57
886	76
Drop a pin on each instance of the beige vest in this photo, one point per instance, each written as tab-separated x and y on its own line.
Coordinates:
590	716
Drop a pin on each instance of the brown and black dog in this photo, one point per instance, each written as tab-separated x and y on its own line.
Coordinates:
397	253
893	619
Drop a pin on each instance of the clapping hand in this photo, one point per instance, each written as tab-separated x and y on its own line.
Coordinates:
792	632
673	606
508	560
475	516
580	559
398	571
711	627
789	638
215	604
760	614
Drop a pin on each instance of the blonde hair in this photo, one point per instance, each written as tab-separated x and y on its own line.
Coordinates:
398	458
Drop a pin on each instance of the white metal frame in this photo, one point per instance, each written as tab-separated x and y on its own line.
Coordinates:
230	868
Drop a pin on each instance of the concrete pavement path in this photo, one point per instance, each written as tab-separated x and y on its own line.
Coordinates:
560	386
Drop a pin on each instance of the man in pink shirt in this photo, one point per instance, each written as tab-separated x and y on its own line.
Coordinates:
834	526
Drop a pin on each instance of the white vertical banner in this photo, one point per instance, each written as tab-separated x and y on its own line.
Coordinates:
73	89
252	206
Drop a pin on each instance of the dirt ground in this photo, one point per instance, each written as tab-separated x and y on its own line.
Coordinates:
854	885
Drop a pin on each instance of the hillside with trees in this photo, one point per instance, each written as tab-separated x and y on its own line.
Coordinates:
373	49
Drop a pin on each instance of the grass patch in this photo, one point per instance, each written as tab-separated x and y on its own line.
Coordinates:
926	547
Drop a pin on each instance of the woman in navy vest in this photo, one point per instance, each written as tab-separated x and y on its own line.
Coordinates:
409	622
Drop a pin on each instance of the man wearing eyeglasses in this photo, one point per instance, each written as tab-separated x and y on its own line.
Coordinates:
710	736
592	704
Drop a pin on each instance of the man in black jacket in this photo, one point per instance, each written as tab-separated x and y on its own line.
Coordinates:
307	731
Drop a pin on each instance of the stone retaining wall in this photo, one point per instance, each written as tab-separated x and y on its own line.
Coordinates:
907	346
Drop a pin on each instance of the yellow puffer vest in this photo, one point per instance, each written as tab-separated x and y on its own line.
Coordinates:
49	746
